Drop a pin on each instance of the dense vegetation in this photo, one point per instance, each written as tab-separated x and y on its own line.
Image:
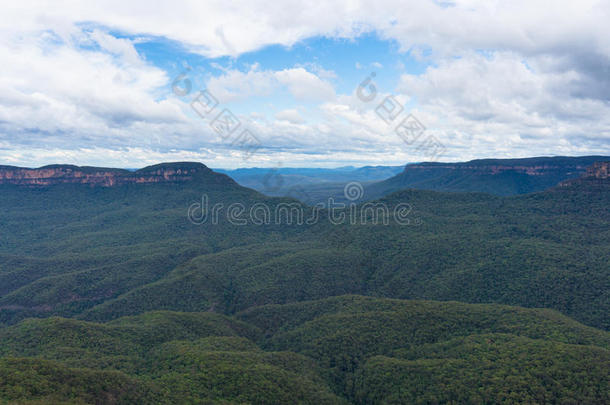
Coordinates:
130	302
337	350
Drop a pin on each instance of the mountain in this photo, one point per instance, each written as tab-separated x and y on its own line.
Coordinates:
503	177
539	250
67	246
597	177
110	288
310	185
102	252
97	176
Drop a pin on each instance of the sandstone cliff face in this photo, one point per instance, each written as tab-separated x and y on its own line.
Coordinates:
599	170
64	174
538	170
597	175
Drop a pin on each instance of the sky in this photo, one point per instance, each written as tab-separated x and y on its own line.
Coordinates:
301	84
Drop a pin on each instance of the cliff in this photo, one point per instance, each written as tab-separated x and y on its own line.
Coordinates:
597	176
97	176
539	166
599	170
501	177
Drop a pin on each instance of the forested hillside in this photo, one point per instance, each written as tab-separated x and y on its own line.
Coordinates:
102	252
502	177
131	300
347	349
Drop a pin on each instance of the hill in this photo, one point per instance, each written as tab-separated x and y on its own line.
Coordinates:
540	250
503	177
346	349
310	185
97	176
102	252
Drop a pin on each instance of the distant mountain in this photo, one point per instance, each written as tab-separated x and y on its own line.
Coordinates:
296	182
596	177
97	176
503	177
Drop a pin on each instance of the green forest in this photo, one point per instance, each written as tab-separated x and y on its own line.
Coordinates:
339	350
112	295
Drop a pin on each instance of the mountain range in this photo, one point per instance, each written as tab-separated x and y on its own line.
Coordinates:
111	293
502	177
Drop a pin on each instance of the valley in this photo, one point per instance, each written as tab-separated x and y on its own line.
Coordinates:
113	283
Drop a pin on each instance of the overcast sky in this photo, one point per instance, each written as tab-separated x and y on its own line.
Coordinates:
113	83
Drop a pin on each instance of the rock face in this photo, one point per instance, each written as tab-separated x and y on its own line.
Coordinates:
529	166
597	176
502	177
599	170
95	176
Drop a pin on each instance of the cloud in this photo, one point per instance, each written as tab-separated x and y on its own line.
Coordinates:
303	85
324	74
507	106
504	78
61	92
236	85
290	115
215	28
120	47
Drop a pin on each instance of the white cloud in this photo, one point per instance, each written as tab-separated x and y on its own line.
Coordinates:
324	74
508	108
290	115
540	83
304	85
216	27
118	46
237	85
59	92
